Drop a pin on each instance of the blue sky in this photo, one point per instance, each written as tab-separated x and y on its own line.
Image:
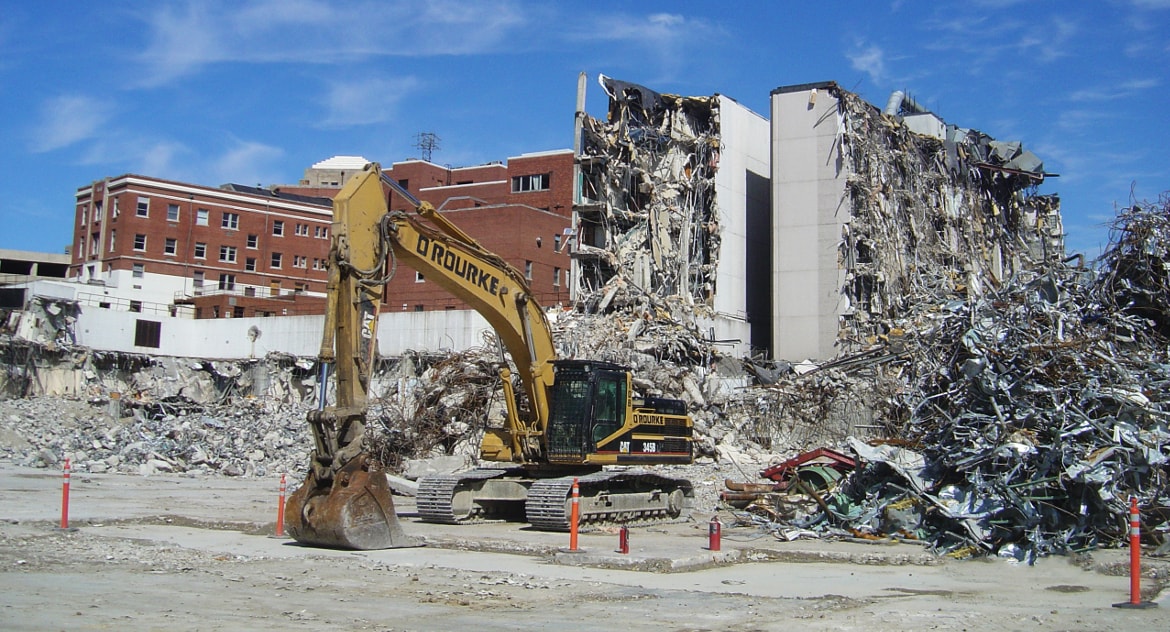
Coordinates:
254	92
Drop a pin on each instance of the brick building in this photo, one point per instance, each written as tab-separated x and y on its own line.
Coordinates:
146	244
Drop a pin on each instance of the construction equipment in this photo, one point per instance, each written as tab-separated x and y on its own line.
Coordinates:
565	421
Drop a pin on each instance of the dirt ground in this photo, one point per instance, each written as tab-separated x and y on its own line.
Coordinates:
181	553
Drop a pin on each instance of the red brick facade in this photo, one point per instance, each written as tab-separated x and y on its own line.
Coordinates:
242	251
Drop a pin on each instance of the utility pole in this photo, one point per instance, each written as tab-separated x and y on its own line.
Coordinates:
427	142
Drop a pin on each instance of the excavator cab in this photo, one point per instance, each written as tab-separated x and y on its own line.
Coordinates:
594	419
588	404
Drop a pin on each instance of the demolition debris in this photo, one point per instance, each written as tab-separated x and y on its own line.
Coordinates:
1023	418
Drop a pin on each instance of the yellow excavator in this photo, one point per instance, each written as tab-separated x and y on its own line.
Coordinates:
577	415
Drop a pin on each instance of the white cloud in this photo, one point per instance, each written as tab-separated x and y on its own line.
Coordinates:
67	120
664	40
362	102
160	158
247	162
185	37
871	61
1123	90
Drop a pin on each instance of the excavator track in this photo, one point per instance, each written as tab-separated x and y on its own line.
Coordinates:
617	497
452	498
614	497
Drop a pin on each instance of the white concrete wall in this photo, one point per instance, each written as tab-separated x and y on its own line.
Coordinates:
809	209
228	338
744	146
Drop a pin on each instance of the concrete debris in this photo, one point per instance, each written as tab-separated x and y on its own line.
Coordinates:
43	320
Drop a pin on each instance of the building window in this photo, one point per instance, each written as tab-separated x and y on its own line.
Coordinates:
143	209
300	261
113	237
418	277
300	287
534	182
418	308
227	254
138	270
250	264
201	215
136	306
140	242
147	333
278	228
114	210
95	243
83	209
238	311
528	271
227	281
231	221
197	281
302	230
171	246
172	212
556	277
276	258
200	250
252	241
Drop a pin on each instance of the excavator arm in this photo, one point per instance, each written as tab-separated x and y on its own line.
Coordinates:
443	253
345	500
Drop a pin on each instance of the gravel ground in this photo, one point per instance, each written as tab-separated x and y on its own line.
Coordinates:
196	553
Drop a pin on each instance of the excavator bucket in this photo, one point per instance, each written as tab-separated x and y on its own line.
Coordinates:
355	512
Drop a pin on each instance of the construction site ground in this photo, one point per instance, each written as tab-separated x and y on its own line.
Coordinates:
189	553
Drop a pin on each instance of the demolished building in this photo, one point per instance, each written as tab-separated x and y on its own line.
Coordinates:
874	210
669	188
801	247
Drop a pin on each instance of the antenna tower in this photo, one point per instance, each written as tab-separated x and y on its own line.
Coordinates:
427	143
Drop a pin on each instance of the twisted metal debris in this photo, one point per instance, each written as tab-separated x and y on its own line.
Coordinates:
1027	415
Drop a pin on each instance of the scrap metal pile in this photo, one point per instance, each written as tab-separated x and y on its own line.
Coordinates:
1028	414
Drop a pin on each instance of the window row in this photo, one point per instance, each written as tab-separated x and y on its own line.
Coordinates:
228	220
300	230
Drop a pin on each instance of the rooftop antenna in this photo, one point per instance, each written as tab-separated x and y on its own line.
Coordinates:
427	142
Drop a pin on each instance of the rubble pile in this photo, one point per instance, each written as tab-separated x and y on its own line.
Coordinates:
1027	416
249	437
433	405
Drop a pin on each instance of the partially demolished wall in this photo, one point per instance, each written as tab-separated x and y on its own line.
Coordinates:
647	222
933	217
